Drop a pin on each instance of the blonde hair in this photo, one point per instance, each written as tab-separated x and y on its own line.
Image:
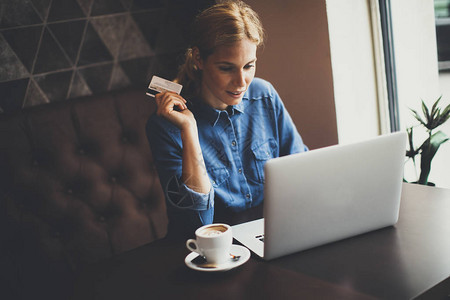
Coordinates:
221	24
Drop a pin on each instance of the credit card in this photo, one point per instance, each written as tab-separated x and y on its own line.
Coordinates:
161	85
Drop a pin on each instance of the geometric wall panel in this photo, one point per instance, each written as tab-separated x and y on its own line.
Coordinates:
11	67
42	7
93	50
111	30
34	95
51	56
65	10
134	44
97	77
24	42
18	13
118	78
149	23
69	35
105	7
79	86
54	50
54	85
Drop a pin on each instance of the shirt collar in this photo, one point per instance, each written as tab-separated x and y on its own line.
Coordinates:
212	115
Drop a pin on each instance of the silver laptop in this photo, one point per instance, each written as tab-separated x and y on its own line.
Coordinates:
326	195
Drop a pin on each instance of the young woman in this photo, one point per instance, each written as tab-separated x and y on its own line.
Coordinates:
210	143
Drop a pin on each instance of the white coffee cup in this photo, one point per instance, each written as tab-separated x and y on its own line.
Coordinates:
212	241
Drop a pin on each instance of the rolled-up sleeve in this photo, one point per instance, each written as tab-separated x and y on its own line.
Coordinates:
184	204
183	197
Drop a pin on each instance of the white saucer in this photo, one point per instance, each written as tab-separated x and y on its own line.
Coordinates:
235	250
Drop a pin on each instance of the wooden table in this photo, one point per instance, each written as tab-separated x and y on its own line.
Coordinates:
411	259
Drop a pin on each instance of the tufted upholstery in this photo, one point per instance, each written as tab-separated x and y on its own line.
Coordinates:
77	185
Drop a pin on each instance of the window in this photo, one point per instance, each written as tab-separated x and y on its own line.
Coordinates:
442	13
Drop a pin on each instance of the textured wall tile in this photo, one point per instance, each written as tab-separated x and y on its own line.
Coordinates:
17	13
127	4
149	4
150	23
53	50
65	10
104	7
138	70
79	87
69	35
111	30
42	7
134	44
98	77
10	66
24	42
86	6
118	78
93	49
166	65
50	56
55	85
34	96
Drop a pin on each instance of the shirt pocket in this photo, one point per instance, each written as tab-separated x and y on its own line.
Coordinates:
218	176
262	153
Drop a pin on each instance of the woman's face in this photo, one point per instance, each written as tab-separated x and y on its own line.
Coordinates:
227	73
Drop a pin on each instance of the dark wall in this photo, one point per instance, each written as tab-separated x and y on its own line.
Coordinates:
52	50
296	59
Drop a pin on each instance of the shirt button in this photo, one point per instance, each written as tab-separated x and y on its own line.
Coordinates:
233	143
247	196
240	171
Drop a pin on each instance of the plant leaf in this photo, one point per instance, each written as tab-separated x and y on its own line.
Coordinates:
443	117
411	153
429	149
433	109
446	113
446	110
426	113
418	118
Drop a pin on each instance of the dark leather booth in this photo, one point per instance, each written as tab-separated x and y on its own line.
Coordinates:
77	186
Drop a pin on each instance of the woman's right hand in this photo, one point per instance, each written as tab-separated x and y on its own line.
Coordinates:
173	107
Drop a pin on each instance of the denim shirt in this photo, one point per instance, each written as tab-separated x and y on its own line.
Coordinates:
236	143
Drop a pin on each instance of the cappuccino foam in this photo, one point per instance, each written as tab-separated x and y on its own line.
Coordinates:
213	231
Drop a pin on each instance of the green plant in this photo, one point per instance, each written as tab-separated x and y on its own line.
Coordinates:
432	119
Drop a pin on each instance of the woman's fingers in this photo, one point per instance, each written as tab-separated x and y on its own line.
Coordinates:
168	102
173	107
